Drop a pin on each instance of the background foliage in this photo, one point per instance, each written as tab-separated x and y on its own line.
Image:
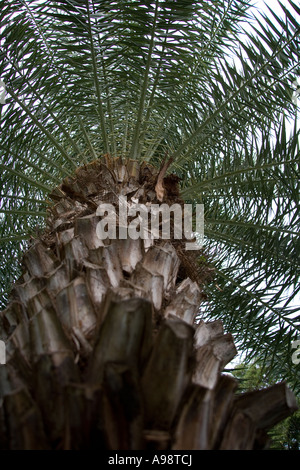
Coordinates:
286	434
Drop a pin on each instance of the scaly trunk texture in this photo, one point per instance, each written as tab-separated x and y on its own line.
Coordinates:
103	351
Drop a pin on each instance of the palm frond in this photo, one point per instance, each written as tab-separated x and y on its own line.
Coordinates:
204	81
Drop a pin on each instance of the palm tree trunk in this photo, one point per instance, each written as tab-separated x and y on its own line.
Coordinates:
102	346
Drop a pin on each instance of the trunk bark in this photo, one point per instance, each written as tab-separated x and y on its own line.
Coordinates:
101	342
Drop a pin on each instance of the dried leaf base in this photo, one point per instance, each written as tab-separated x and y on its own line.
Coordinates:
103	351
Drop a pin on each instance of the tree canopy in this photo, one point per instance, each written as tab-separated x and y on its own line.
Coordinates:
210	84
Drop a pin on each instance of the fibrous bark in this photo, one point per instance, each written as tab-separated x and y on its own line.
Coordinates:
103	350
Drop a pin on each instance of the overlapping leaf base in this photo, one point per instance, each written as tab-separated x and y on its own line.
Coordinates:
102	347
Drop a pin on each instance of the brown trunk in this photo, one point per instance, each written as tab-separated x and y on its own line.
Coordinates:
102	346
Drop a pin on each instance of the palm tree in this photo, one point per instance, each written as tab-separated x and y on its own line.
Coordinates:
121	344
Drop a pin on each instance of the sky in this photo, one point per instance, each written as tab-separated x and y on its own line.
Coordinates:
263	5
